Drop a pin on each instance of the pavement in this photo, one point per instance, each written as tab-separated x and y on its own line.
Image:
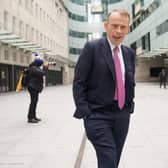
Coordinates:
147	141
56	141
52	143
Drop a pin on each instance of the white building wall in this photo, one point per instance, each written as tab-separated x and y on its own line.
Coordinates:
47	24
85	26
149	25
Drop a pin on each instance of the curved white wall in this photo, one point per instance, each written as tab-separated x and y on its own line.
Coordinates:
75	8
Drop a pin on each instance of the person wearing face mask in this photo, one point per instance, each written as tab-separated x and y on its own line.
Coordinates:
103	89
35	86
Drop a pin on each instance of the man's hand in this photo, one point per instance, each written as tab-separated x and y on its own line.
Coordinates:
45	65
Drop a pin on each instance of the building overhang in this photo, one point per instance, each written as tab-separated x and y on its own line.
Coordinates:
58	58
11	39
153	53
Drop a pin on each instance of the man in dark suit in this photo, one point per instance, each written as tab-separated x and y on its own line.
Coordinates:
103	89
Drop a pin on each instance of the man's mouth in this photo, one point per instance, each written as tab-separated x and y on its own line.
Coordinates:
117	37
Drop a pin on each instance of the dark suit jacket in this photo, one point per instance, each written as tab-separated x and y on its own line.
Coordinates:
94	80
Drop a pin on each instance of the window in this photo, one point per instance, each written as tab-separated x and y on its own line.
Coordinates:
27	4
143	43
27	59
78	34
60	10
13	24
32	34
79	2
48	19
20	2
75	51
134	46
32	7
45	41
27	32
162	28
14	56
77	17
44	16
37	36
21	58
113	1
48	43
36	10
6	55
41	39
6	17
20	28
41	14
154	72
56	5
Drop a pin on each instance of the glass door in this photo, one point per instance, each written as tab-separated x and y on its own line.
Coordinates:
4	84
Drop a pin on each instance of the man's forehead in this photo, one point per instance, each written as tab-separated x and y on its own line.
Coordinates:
119	20
117	15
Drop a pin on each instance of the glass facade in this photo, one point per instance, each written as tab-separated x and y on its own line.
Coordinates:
83	2
78	34
75	51
113	1
77	17
162	28
80	2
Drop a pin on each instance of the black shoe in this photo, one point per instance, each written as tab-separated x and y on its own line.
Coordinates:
38	119
32	121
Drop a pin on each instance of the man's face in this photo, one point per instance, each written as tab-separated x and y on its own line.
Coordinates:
117	27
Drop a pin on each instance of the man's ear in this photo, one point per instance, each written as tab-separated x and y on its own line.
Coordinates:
129	26
105	25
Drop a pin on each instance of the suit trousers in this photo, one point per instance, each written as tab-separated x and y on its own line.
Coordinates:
107	131
34	95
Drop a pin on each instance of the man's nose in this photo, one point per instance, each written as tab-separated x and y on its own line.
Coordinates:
118	29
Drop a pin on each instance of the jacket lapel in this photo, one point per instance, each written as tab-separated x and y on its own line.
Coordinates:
109	60
126	61
108	57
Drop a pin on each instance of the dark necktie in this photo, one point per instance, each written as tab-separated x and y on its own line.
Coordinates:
119	89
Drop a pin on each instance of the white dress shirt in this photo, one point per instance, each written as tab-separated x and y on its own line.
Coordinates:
120	58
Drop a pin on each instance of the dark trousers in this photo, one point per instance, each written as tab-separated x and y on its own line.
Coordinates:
107	132
34	94
163	82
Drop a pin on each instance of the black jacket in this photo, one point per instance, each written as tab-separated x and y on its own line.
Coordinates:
94	81
36	76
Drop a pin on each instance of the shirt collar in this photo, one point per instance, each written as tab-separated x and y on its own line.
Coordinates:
112	46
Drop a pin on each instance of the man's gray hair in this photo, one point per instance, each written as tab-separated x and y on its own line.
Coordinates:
122	12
